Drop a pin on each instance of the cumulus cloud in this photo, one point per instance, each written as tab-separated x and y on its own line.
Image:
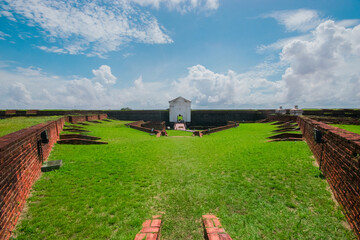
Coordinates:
324	70
90	28
32	88
207	88
279	44
297	20
19	96
104	74
321	70
182	6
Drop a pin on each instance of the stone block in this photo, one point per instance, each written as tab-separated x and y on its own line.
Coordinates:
51	165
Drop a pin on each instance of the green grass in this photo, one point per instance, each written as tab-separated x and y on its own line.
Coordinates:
14	124
258	189
172	133
350	128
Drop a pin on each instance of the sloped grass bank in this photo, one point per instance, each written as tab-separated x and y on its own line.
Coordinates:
258	189
350	128
10	125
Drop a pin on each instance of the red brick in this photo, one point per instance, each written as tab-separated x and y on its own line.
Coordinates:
146	223
208	223
224	236
151	236
140	236
217	222
150	230
208	216
156	223
21	165
337	159
213	237
156	216
214	230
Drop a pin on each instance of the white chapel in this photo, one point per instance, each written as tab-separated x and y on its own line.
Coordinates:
180	108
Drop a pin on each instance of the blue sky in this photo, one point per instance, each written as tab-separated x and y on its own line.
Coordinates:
142	53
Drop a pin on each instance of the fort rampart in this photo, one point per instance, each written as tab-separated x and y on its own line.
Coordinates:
21	156
337	153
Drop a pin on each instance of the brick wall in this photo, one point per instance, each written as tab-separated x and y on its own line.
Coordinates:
76	119
92	117
102	116
279	117
21	157
155	125
338	156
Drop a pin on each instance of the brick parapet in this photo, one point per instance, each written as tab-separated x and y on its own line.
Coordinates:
216	129
138	126
338	156
22	154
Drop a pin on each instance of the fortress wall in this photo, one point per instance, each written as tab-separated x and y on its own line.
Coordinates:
21	156
198	117
338	156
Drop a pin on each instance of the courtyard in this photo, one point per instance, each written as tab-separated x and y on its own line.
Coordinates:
259	189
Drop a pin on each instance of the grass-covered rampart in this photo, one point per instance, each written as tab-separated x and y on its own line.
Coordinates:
259	190
14	124
350	128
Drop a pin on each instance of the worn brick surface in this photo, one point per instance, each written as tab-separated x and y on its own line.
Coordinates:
150	229
22	154
138	126
216	129
338	157
84	118
213	229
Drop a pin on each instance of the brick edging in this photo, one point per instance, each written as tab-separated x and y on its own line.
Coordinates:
213	229
150	229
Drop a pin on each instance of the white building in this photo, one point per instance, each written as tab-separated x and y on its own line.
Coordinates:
296	111
280	110
180	106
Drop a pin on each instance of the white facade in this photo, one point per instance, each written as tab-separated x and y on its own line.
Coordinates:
280	110
296	111
180	106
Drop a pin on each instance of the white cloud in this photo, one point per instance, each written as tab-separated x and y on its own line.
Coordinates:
32	88
296	20
54	49
8	15
324	70
30	71
104	74
279	44
182	6
229	90
349	22
19	96
3	35
319	71
90	27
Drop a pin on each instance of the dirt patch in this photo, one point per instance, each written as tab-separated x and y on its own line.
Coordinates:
315	163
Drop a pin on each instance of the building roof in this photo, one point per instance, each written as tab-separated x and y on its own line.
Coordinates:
174	100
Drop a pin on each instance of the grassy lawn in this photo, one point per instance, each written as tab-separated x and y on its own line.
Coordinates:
173	133
14	124
258	189
350	128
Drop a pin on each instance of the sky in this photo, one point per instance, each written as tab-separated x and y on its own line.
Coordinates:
220	54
